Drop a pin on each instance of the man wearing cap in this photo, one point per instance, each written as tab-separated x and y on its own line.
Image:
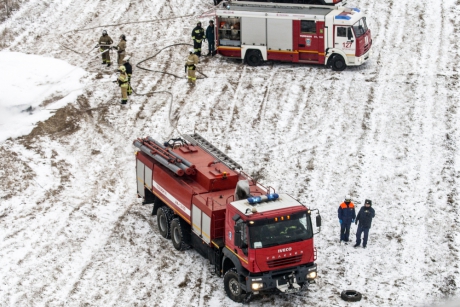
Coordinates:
347	216
210	38
365	216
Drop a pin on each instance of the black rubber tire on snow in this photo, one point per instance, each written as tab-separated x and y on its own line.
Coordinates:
164	217
338	63
179	236
253	58
232	286
351	296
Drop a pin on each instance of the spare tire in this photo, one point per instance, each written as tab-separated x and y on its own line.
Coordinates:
351	296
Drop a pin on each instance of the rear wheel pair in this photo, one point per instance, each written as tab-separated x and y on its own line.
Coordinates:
173	228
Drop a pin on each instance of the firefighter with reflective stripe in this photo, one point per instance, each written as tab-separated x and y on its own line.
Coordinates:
198	37
104	44
190	66
123	83
347	215
121	49
129	71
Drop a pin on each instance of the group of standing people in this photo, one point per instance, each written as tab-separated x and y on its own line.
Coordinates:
347	216
125	69
199	35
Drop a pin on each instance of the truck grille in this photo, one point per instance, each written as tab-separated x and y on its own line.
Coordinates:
284	261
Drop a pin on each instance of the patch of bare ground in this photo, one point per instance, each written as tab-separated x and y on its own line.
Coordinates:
16	174
51	100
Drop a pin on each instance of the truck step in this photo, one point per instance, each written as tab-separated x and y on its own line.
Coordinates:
198	140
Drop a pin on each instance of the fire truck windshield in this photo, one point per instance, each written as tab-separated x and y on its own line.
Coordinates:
360	28
281	230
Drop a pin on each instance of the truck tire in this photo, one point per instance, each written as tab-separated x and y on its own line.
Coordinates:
179	235
253	58
351	296
232	286
164	217
338	63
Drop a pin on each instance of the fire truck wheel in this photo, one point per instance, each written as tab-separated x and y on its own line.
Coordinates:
164	217
253	57
232	286
178	234
338	63
351	295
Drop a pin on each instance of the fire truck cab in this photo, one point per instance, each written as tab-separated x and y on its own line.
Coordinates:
335	36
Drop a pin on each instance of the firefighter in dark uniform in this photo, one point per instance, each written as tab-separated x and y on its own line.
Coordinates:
347	215
104	44
197	36
190	66
129	71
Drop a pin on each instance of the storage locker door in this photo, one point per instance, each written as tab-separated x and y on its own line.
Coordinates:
278	37
253	31
140	178
148	178
206	228
196	220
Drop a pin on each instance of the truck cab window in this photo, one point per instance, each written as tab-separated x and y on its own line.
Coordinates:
341	32
307	26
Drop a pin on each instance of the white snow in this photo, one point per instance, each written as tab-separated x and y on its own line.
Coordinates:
72	230
27	81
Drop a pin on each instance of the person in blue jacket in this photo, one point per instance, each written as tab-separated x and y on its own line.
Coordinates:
365	216
347	216
210	38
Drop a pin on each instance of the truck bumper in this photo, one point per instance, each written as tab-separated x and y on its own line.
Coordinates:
288	280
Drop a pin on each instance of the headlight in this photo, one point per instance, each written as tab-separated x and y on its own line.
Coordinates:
257	286
311	275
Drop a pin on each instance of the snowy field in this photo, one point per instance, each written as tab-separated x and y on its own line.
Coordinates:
74	233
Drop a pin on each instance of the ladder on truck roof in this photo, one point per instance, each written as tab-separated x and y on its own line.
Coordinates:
196	139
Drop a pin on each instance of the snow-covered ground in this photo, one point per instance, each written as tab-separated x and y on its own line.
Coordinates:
73	231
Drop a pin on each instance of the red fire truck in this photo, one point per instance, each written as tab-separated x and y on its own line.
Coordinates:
258	240
335	36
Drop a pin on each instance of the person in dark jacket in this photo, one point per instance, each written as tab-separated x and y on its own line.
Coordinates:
347	216
365	216
197	36
129	71
210	38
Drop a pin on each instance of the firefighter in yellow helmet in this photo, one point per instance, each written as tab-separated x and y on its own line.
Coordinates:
104	45
190	66
123	83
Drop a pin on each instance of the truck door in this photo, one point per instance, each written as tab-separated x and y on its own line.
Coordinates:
344	39
308	41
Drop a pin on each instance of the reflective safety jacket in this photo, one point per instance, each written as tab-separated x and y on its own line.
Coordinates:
123	80
198	34
192	60
347	212
105	41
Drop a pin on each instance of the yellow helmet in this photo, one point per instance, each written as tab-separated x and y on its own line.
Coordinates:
122	68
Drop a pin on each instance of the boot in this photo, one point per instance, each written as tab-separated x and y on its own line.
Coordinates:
123	101
108	64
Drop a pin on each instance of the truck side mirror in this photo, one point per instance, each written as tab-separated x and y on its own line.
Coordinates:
238	239
350	34
318	220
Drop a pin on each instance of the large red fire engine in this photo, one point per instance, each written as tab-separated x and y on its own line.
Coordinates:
335	36
256	239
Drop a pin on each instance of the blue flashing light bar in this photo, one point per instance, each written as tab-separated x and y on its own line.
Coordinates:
258	199
346	17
